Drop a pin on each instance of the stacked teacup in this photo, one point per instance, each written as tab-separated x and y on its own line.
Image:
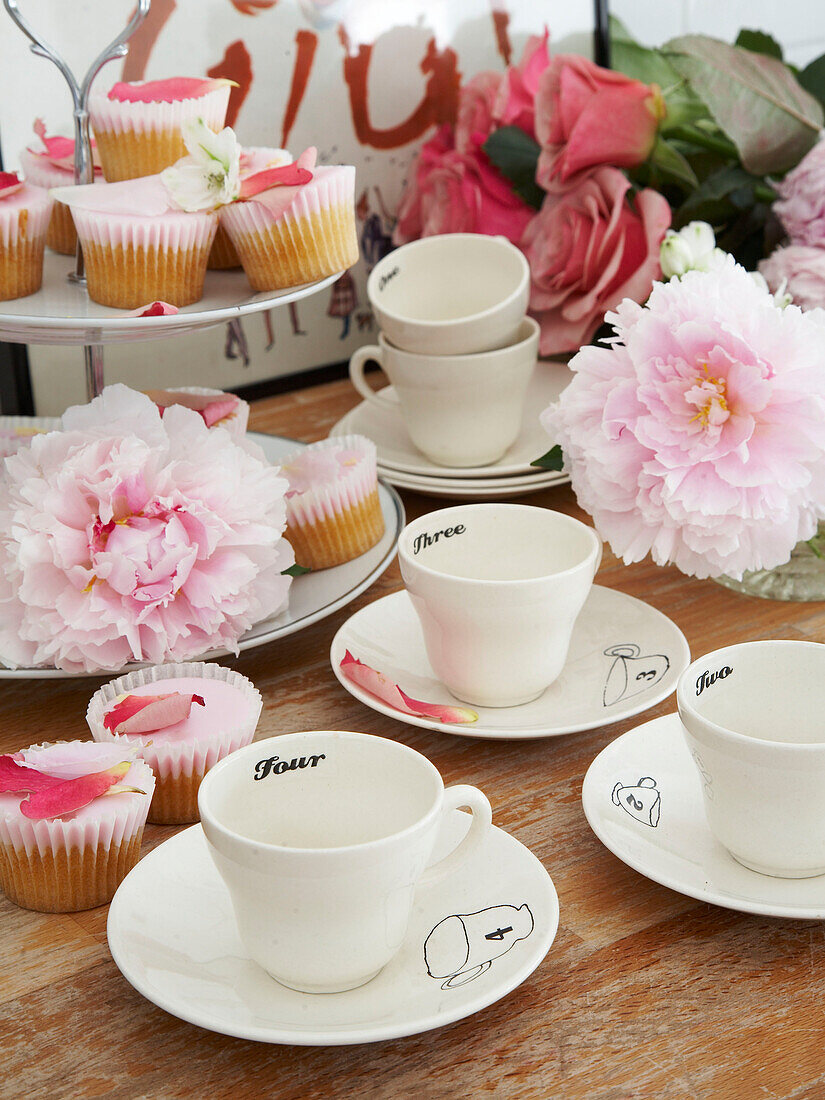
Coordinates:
459	351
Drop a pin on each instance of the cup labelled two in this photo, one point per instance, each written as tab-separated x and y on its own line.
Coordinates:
497	589
460	410
321	838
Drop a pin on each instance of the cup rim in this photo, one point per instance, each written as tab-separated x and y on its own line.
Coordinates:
469	318
516	582
488	356
365	846
724	732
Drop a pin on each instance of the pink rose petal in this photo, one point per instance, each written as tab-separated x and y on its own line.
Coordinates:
9	183
71	759
14	778
377	684
71	794
290	175
211	407
60	150
155	309
164	91
149	713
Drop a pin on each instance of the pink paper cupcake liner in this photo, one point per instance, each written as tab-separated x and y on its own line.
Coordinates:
37	205
356	484
331	187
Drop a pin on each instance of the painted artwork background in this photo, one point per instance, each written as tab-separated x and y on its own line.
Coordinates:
364	80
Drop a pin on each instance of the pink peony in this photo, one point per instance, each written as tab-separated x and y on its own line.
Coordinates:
588	248
456	192
699	435
515	104
130	537
476	100
587	116
800	271
801	206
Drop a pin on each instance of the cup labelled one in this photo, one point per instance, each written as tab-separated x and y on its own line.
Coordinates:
453	294
321	838
752	716
497	589
460	410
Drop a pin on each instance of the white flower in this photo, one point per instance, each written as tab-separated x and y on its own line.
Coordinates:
782	297
693	248
211	175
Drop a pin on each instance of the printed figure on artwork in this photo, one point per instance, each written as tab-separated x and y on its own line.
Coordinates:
463	946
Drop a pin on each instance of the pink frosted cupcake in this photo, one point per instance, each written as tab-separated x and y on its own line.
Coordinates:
288	233
137	125
18	431
71	822
333	512
139	246
24	222
218	409
51	164
183	719
254	158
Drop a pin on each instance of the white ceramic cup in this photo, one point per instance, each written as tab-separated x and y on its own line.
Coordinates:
454	294
754	719
460	410
321	838
498	588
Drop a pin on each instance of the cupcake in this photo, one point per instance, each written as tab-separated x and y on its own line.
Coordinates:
71	822
51	164
218	409
139	245
137	125
297	230
18	431
333	512
183	719
24	221
254	159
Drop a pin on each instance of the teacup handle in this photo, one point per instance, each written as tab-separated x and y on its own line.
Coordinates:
356	374
475	801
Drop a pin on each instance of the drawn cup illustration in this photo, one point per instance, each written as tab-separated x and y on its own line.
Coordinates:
630	674
641	800
463	946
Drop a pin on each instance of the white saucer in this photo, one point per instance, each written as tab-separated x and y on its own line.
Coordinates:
396	451
617	639
172	933
642	796
494	488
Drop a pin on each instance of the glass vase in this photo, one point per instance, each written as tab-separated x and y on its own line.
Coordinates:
801	578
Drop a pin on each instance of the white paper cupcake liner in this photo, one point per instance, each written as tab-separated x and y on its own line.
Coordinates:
37	204
355	484
331	187
114	116
235	424
173	759
113	819
174	231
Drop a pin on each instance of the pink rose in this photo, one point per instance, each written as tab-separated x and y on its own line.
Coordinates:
516	101
476	100
801	207
798	270
456	192
587	116
588	248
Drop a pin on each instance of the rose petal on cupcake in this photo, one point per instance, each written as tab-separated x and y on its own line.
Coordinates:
17	779
165	91
64	760
377	684
149	713
211	407
290	175
9	183
71	794
154	309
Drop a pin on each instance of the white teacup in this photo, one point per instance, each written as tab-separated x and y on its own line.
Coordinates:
754	719
321	839
454	294
460	410
498	588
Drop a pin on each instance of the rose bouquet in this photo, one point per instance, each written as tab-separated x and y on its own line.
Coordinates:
130	537
586	168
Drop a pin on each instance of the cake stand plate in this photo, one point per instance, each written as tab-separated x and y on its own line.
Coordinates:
312	596
61	312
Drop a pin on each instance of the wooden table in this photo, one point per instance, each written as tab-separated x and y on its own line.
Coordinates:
644	994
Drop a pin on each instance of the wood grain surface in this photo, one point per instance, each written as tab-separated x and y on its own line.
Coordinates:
644	994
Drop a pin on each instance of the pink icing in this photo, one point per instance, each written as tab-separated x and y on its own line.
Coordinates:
312	469
163	91
255	158
226	707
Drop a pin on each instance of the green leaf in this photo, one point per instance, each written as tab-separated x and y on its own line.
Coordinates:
755	100
295	571
720	196
553	460
759	42
516	155
672	165
812	78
